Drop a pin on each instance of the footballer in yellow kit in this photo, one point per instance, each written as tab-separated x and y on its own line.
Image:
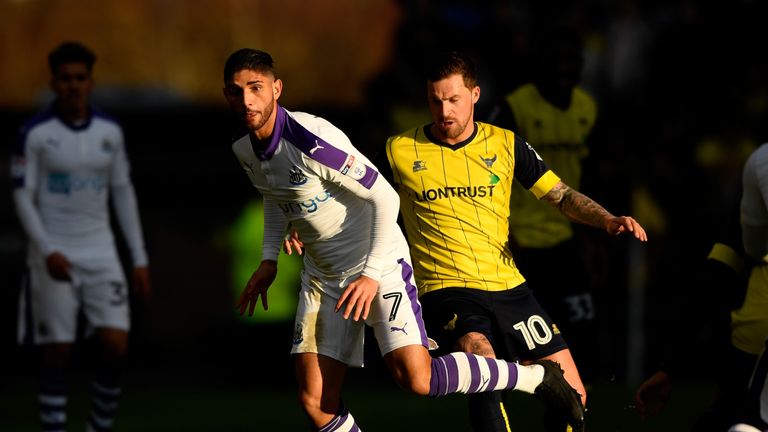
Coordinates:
458	197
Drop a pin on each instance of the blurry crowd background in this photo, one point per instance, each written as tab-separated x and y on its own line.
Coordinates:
682	99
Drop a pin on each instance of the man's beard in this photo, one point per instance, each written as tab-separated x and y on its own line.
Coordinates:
265	115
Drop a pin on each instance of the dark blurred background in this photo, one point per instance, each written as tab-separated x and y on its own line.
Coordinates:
682	99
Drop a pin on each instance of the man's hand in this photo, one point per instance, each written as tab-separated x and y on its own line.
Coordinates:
257	286
360	294
58	266
617	225
141	286
292	242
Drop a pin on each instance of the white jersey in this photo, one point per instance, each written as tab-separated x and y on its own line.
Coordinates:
313	178
62	175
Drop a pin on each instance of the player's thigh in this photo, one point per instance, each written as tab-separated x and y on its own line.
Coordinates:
48	309
395	314
319	329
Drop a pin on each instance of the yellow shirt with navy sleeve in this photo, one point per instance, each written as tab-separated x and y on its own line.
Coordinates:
559	136
454	200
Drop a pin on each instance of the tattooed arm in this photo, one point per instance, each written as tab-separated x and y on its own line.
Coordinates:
580	208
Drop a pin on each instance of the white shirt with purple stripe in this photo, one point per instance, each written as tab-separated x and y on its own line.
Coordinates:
312	177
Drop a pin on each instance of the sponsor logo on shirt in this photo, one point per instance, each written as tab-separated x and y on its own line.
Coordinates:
65	183
354	168
296	176
348	165
455	192
306	206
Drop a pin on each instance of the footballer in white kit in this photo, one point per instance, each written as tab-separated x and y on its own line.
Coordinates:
62	176
312	178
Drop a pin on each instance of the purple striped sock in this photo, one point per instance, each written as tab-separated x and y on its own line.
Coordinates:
451	376
342	422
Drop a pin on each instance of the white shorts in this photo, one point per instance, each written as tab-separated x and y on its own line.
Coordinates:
48	308
395	317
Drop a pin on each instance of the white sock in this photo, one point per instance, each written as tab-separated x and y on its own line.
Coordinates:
529	377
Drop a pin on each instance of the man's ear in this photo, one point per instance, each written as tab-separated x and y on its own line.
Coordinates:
475	94
277	88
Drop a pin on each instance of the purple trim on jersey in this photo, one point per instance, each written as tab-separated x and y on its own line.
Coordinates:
413	295
369	178
277	134
475	376
444	376
323	152
493	369
30	124
306	141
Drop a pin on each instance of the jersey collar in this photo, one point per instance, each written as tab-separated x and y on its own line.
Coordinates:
74	126
456	146
277	134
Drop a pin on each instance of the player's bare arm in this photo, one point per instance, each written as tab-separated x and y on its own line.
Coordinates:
257	286
580	208
358	295
141	283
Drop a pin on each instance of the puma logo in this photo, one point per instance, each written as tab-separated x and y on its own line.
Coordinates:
402	329
316	148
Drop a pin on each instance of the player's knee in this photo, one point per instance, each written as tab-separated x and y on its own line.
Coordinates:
417	385
114	344
475	343
55	355
114	354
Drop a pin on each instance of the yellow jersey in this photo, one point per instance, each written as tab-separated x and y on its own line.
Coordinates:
454	200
